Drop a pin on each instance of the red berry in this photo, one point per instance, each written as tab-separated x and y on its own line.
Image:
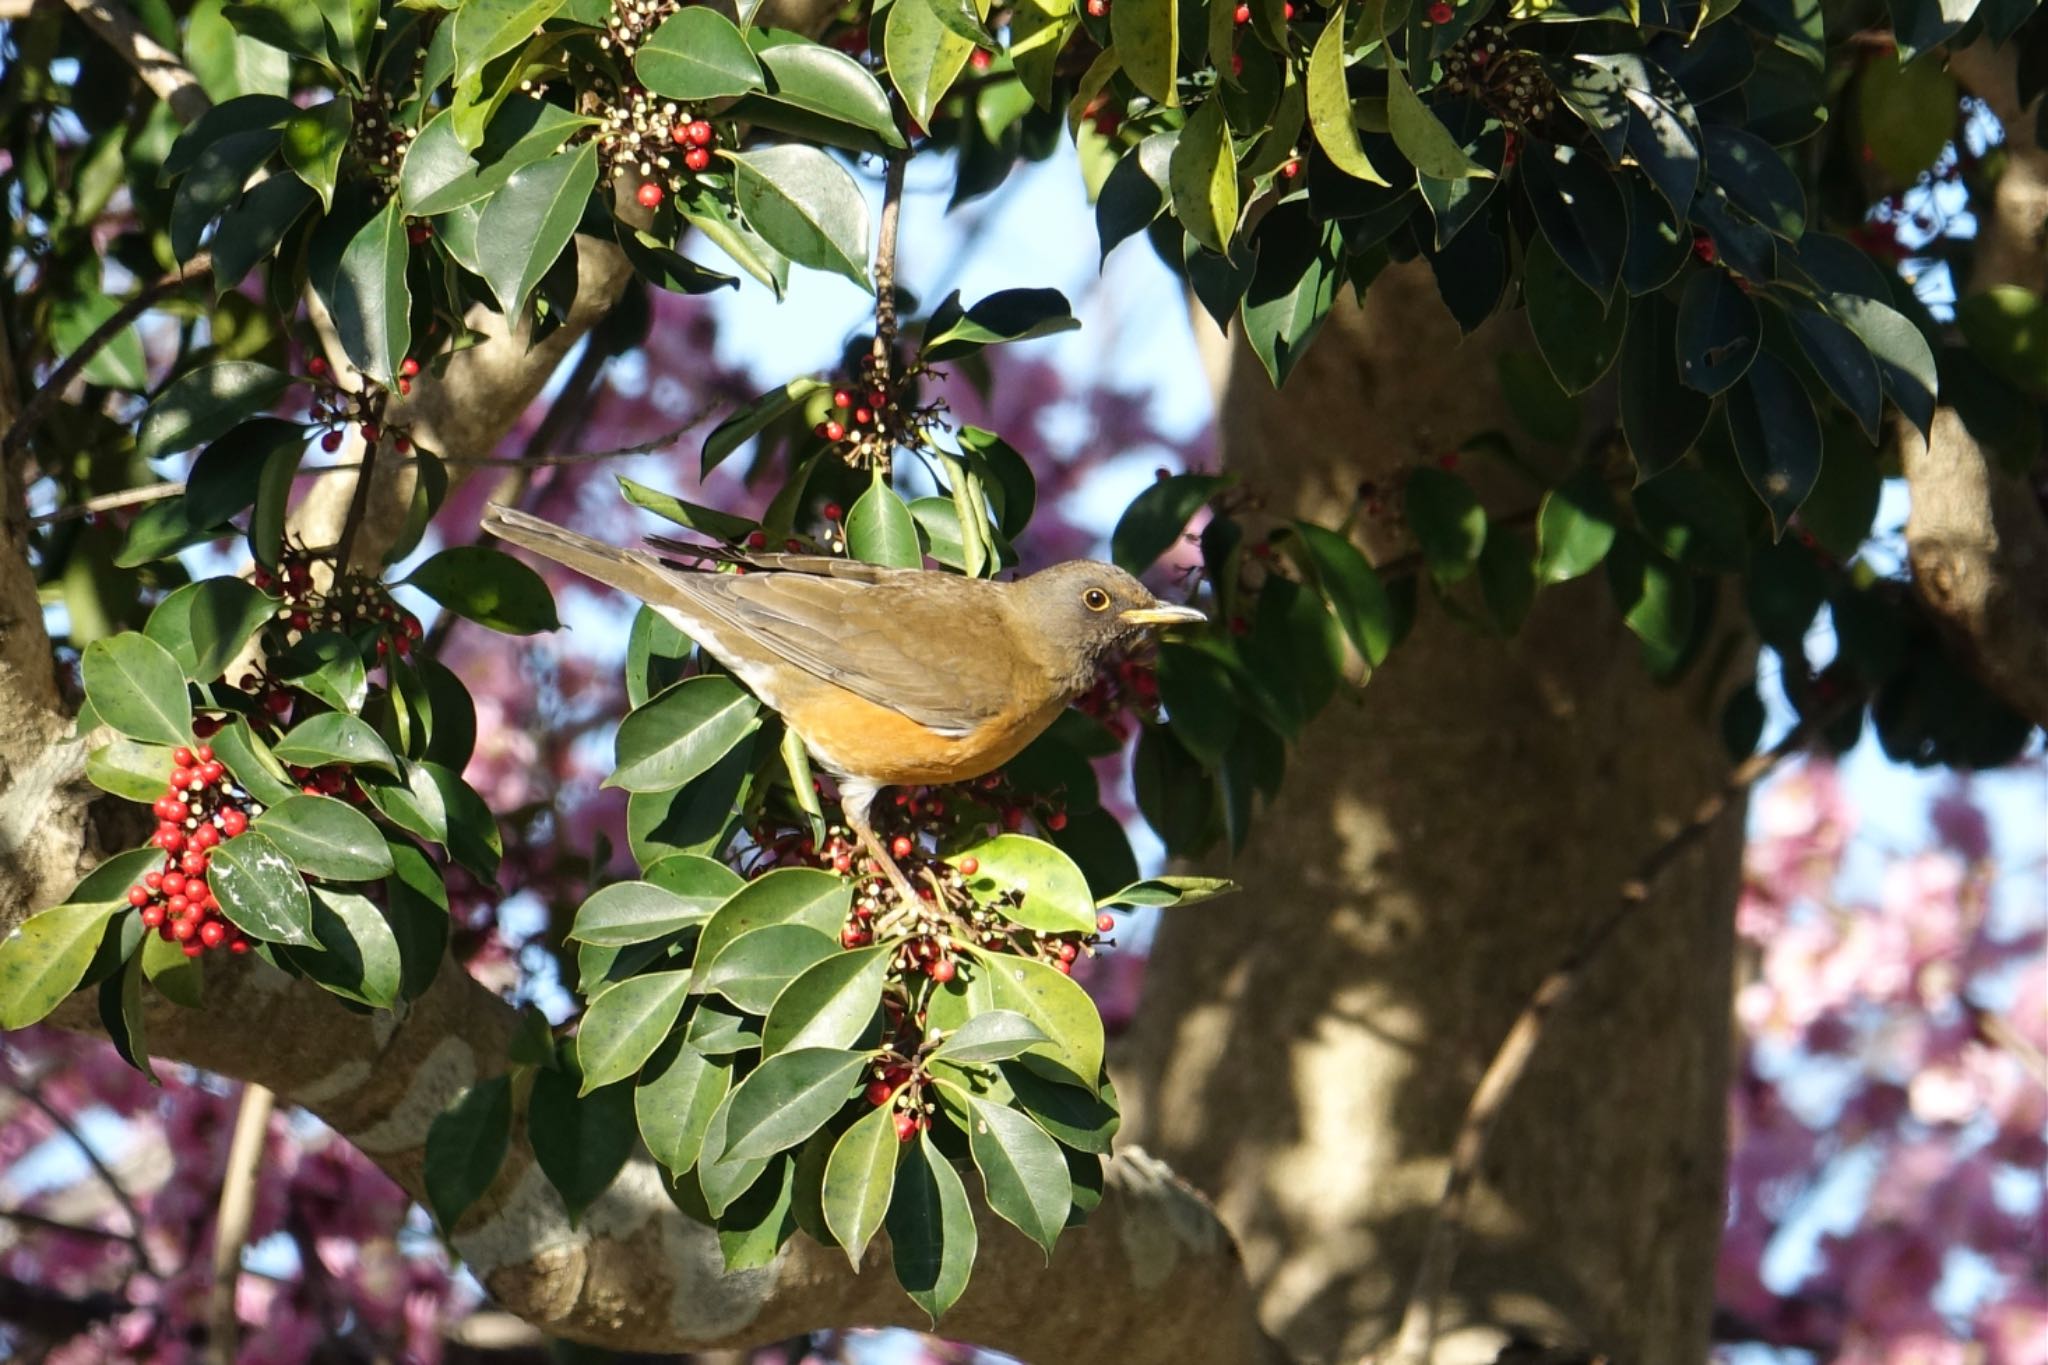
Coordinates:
238	946
1056	821
757	540
1243	14
851	937
277	703
170	838
204	753
212	770
696	158
331	442
1236	64
877	399
152	916
1068	952
182	756
152	880
1440	13
206	836
1704	248
233	822
941	970
404	386
195	861
834	431
969	866
649	195
369	434
879	1093
863	416
138	896
698	133
402	445
183	930
192	949
212	932
1066	968
841	398
980	59
410	368
906	1125
679	134
1105	922
833	511
1290	168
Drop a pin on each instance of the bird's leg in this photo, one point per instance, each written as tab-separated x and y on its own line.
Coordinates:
856	798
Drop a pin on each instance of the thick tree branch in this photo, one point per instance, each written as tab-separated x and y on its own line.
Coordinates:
1976	536
231	1224
158	66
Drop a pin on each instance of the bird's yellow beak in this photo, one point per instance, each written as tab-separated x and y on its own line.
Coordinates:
1162	615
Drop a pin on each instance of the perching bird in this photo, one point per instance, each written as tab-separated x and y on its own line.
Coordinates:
889	676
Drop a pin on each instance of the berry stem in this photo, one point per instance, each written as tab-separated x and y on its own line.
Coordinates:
885	255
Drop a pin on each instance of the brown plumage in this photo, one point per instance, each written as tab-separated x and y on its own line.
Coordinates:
888	675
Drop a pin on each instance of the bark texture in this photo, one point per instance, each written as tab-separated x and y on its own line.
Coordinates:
1306	1057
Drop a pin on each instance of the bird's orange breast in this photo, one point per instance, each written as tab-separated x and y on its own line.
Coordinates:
852	735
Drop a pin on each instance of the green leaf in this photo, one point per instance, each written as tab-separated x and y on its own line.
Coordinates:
831	1005
206	625
991	1036
439	174
1908	112
1777	437
805	205
120	362
679	1090
261	891
755	967
335	737
250	762
1055	1003
697	54
787	1098
528	222
681	733
273	496
326	838
2007	328
1447	520
749	421
121	1015
1660	415
1085	1122
1844	364
624	1023
215	182
207	402
1329	105
816	78
1056	895
1655	597
46	957
924	56
1146	35
1719	332
126	768
371	305
1152	524
488	587
328	666
1578	333
790	895
1355	595
1006	315
313	142
1574	527
179	979
1022	1171
1421	135
860	1177
136	686
626	913
1201	700
1166	891
931	1230
484	29
1201	177
466	1144
880	529
580	1140
358	956
1300	265
1903	357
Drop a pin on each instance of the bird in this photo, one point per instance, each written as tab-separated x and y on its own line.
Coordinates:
890	676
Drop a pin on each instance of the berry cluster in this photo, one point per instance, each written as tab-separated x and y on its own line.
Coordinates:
872	416
1127	685
198	810
352	602
1509	82
337	409
378	139
900	1078
629	23
662	141
335	779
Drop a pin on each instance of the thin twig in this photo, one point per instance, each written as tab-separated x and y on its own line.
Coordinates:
1440	1247
885	259
358	504
43	1223
92	1158
158	66
52	389
1997	1030
231	1225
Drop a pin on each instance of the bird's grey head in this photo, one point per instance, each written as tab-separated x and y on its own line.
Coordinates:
1086	609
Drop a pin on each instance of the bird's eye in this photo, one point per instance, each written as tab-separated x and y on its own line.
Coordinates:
1095	599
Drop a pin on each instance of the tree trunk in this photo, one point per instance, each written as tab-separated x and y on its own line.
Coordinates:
1305	1053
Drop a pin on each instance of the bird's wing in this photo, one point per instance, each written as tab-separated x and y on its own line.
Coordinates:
884	640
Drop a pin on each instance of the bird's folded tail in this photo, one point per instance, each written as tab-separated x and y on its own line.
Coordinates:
632	570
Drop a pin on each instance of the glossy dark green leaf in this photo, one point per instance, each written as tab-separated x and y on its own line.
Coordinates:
824	81
1574	527
624	1023
681	733
1165	891
580	1141
1056	899
260	890
750	420
252	227
754	968
1719	332
1580	209
1422	136
1843	363
1201	705
625	913
335	737
1153	522
1904	359
1300	265
790	895
371	305
860	1178
1022	1171
1447	520
697	54
466	1144
1776	435
1006	315
484	29
880	529
1655	596
1757	180
120	1000
313	141
931	1229
326	838
439	174
358	957
488	587
787	1098
1055	1004
205	625
1908	113
127	768
990	1036
1355	595
528	222
830	1005
679	1090
215	181
223	479
1083	1121
1202	178
924	56
805	205
138	687
1661	415
204	403
45	958
1578	333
